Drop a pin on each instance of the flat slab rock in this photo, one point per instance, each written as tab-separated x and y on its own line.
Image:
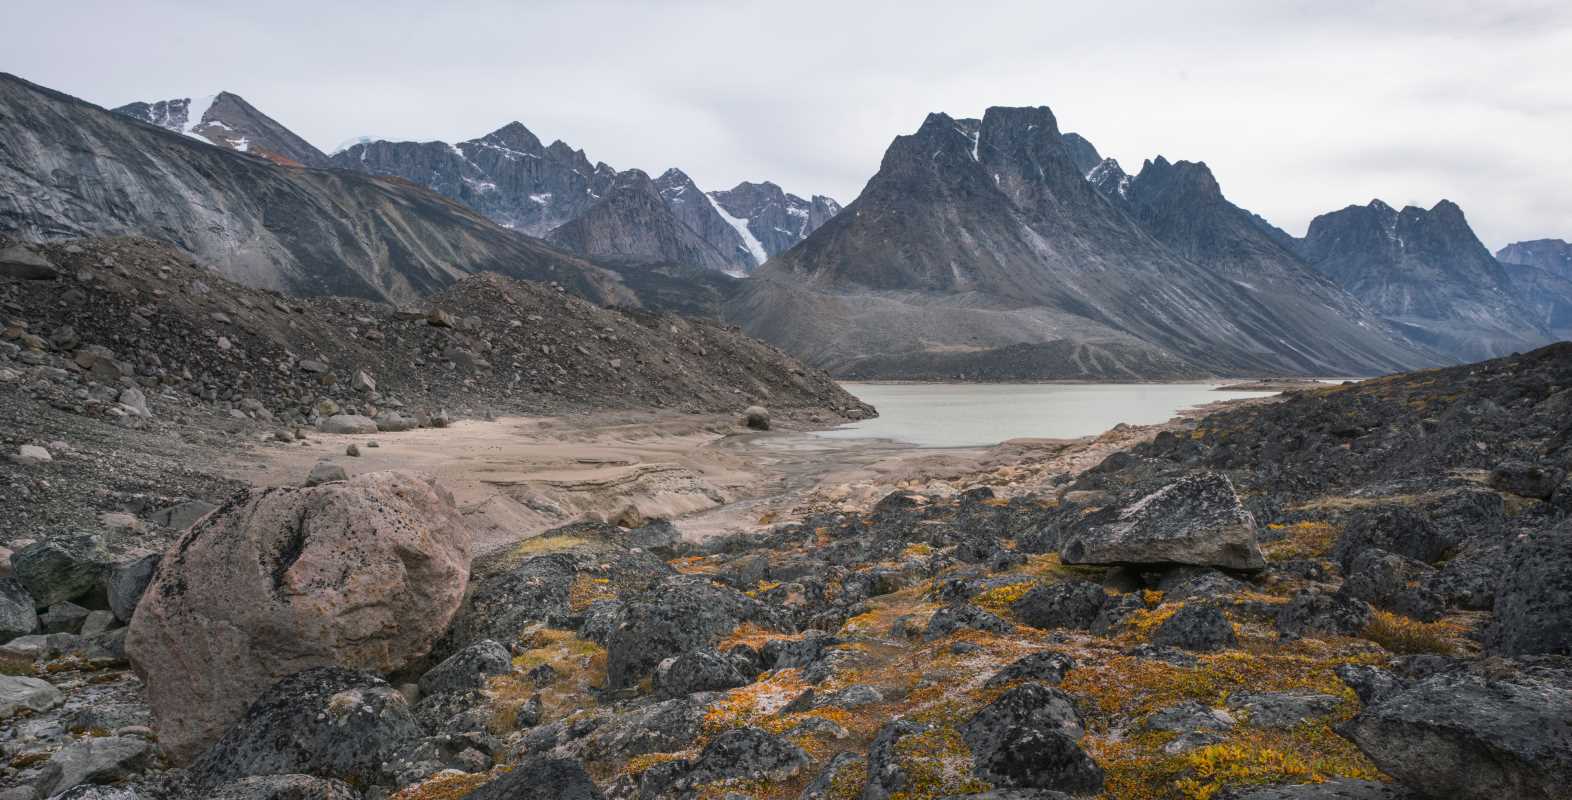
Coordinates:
1196	520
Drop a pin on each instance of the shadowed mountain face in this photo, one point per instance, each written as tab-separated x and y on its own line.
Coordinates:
633	222
509	176
1552	255
1426	273
977	235
1541	271
227	120
71	169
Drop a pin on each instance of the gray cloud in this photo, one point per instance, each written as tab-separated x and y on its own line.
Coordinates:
1298	106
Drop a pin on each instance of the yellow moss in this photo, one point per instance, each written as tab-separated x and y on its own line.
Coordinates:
937	763
580	662
586	590
1141	624
1407	636
763	587
445	786
1048	565
639	764
918	550
546	544
1302	540
750	704
997	502
768	518
1151	597
1219	765
1000	598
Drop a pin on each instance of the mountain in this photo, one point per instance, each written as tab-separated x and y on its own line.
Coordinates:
728	235
507	175
1541	270
770	220
1428	274
633	222
977	235
71	169
227	120
1081	152
1552	255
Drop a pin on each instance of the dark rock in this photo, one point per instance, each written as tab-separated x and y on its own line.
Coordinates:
1342	789
1190	716
1534	601
1281	709
18	616
1030	706
1400	530
17	262
841	769
1196	520
747	754
1204	585
656	728
541	779
60	569
285	787
1046	667
1372	684
502	605
1311	612
126	583
952	618
1071	604
1391	581
702	670
1114	613
887	774
94	759
326	472
757	418
1039	758
1470	737
1196	627
467	669
183	516
1525	479
328	722
63	617
679	614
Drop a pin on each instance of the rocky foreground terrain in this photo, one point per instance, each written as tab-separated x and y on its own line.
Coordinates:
1361	591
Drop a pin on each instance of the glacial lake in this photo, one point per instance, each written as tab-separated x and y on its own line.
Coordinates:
974	414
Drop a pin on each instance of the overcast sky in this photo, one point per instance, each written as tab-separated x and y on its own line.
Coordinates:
1298	107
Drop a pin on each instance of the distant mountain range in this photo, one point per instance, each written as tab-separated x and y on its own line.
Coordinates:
993	248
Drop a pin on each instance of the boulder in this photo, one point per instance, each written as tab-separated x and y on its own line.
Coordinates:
1282	709
63	617
1525	479
702	670
326	472
184	515
1197	520
1312	612
1464	736
1035	758
740	754
1342	789
18	692
18	615
952	618
327	722
541	779
1393	582
1400	530
1070	604
285	787
1534	598
467	669
1190	716
1196	627
661	727
17	262
679	614
364	574
127	581
94	760
62	568
348	423
1046	667
757	418
502	605
93	791
1031	705
840	770
30	455
394	422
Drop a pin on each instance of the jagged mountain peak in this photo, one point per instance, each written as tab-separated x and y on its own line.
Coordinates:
1554	255
1082	153
1192	177
516	137
226	120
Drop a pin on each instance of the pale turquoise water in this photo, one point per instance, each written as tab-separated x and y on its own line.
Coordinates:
971	414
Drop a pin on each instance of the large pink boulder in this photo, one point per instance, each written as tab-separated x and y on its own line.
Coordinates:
364	574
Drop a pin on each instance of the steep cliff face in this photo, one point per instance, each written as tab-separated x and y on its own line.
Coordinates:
982	234
69	169
773	221
227	120
699	213
633	222
1425	272
1552	255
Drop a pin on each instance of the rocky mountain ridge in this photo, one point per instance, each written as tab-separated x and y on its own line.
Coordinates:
227	120
977	235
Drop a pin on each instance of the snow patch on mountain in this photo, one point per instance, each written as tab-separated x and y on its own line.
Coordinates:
755	248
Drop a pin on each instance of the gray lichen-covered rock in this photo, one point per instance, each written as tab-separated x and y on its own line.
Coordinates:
1070	604
1190	716
887	775
952	618
1534	599
348	423
842	768
1196	520
541	779
33	694
1471	737
1036	758
126	583
1330	790
656	728
1281	709
285	787
1311	613
467	669
18	616
1196	627
363	574
1525	479
96	760
1030	705
328	722
702	670
60	569
1046	667
679	614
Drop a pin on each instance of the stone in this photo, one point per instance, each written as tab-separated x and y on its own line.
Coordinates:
1069	604
1533	607
757	418
313	366
363	574
95	760
1035	758
132	398
952	618
1190	716
326	472
660	727
353	450
1372	684
541	779
1045	667
19	692
740	754
1463	736
1281	709
19	263
1393	582
1400	530
62	568
1310	612
285	787
18	615
679	614
841	769
29	455
467	669
1030	706
127	581
702	670
90	791
363	382
439	319
888	775
1526	480
348	423
63	617
394	422
1342	789
1197	520
326	721
97	621
1196	627
184	515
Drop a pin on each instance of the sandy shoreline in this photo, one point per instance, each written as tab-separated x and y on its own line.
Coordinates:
515	477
